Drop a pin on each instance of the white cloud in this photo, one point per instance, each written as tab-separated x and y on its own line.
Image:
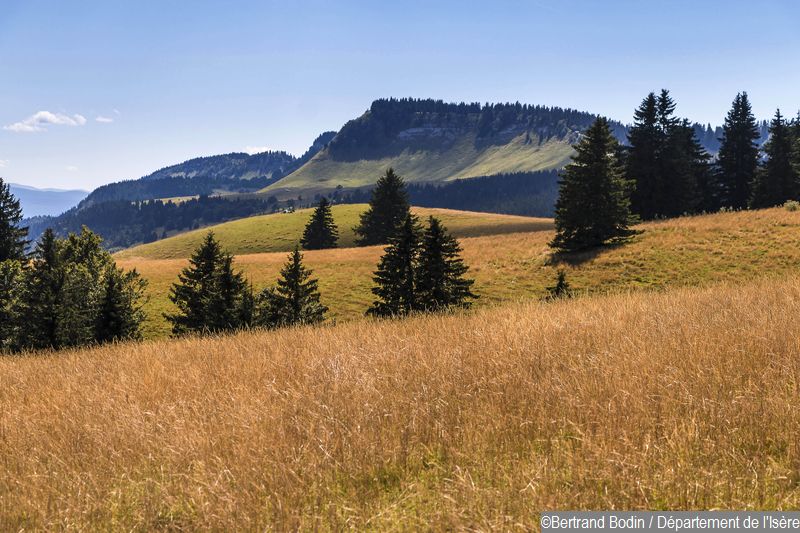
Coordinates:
104	120
3	163
72	168
39	121
256	149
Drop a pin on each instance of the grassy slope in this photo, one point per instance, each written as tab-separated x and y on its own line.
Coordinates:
688	251
681	400
280	232
463	160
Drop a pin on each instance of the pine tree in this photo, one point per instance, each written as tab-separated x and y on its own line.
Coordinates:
12	236
738	153
561	289
294	301
228	301
206	291
121	315
593	206
645	139
40	296
388	208
777	181
320	232
440	281
395	277
10	287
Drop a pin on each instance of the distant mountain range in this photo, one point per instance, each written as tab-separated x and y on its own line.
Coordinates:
40	202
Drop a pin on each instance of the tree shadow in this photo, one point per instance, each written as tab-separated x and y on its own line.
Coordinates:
578	258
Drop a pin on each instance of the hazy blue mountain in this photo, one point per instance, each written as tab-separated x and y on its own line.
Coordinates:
38	202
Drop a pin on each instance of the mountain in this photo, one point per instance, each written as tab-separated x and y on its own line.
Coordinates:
39	202
430	141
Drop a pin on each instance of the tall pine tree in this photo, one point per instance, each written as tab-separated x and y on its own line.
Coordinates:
388	208
12	236
396	275
121	314
440	281
777	180
320	232
738	153
593	205
645	139
41	294
294	301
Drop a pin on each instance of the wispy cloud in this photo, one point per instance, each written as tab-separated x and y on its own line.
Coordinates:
256	149
104	120
39	122
3	163
72	168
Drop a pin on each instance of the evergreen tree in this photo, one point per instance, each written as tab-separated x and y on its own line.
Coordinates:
10	286
777	181
683	165
738	153
395	277
440	281
12	237
645	139
41	291
209	295
561	289
388	208
796	145
593	206
121	315
294	301
320	231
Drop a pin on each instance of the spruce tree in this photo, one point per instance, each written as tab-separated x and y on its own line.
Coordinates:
41	292
388	208
777	180
395	277
320	232
561	289
738	153
12	236
593	205
10	287
645	139
209	295
121	314
295	300
440	281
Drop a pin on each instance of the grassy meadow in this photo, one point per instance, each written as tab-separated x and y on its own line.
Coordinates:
519	266
677	400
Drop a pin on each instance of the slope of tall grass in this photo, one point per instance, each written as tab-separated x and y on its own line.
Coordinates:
677	400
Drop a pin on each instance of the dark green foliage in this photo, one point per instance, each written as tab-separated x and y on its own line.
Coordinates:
777	181
295	299
561	289
210	296
593	203
388	208
440	281
10	287
121	313
396	275
320	232
645	139
738	154
69	293
12	236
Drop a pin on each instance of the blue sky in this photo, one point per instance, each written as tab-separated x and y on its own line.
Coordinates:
98	91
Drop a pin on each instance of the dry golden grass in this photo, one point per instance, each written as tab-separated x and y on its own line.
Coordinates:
676	400
678	252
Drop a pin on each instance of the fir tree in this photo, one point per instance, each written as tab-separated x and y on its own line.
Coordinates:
10	286
41	291
12	237
320	232
777	181
561	289
738	153
395	277
209	295
645	139
294	301
121	314
388	208
593	203
440	281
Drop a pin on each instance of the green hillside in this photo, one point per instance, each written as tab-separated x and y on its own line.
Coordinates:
280	232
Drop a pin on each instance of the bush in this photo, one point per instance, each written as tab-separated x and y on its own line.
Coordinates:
792	205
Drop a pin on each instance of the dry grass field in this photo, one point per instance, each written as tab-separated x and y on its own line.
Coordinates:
678	400
518	266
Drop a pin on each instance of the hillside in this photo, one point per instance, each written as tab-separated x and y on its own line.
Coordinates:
42	202
280	232
466	423
518	266
432	141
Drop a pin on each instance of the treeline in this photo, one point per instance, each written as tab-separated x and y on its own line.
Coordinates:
122	223
68	292
665	172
